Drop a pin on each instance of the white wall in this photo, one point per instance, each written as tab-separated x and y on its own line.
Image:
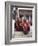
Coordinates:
2	23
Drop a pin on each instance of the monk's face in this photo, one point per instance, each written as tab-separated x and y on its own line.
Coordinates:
20	19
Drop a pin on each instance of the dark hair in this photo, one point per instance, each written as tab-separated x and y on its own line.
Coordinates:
21	16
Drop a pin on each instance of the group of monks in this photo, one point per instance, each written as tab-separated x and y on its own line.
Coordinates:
22	25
